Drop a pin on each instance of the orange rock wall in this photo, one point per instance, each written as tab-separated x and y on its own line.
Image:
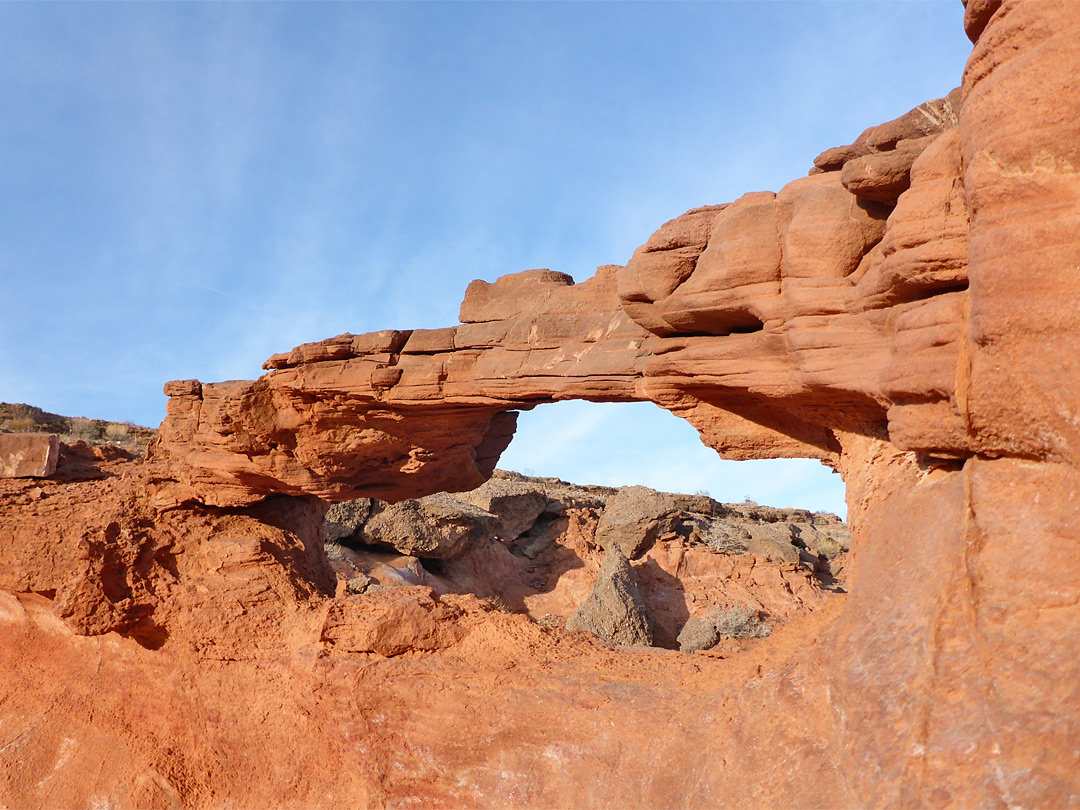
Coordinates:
907	313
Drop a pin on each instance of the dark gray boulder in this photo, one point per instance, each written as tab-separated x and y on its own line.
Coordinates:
615	610
345	519
698	634
515	503
437	527
635	517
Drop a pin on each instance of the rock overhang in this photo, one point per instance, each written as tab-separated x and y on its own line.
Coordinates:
777	325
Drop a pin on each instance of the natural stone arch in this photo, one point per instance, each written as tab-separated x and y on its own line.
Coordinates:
950	409
836	354
949	677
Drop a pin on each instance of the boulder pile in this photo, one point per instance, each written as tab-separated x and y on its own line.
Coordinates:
629	565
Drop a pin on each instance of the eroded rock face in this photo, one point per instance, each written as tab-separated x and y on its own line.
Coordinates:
245	657
414	412
392	621
544	557
903	314
778	325
926	349
94	544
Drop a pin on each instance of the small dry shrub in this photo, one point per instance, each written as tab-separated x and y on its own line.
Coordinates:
500	604
551	621
117	432
21	424
720	536
83	428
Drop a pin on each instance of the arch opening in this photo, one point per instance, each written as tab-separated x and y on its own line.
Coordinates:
640	443
595	520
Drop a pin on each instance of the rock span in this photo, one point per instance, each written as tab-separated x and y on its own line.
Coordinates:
906	314
797	324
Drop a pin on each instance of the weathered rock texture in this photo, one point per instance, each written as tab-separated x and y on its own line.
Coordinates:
635	518
793	324
927	350
438	526
540	548
28	455
615	609
159	656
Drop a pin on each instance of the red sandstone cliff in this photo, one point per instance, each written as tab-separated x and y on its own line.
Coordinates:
907	314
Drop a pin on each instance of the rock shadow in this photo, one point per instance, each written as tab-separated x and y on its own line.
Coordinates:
666	600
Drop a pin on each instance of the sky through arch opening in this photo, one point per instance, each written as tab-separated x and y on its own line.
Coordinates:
618	444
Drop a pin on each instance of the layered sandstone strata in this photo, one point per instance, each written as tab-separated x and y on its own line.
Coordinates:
906	314
780	325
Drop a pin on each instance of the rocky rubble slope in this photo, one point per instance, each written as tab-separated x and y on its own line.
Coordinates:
163	656
536	546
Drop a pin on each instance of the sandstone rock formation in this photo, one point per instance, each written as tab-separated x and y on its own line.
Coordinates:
28	455
162	656
906	314
544	557
791	324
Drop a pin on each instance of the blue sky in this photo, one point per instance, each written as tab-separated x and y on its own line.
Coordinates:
188	188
